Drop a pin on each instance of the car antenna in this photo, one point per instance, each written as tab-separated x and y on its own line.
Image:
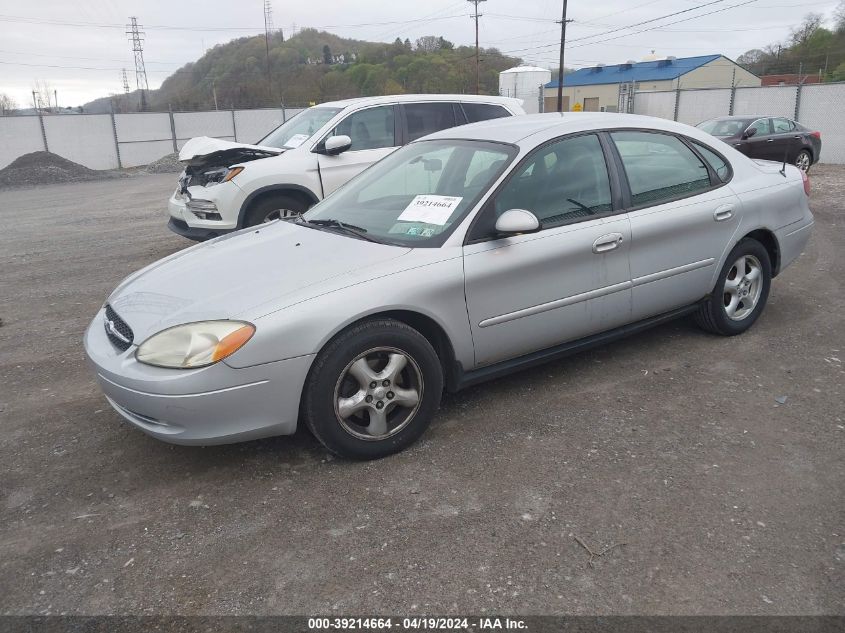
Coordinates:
783	167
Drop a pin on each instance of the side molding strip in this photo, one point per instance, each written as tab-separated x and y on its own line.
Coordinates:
671	272
557	303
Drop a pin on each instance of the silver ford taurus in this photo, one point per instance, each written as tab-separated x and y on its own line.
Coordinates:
461	257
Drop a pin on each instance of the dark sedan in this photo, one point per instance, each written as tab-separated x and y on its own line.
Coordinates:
769	138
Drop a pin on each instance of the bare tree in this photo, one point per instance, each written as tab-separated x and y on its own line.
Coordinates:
839	17
43	94
7	104
802	33
428	43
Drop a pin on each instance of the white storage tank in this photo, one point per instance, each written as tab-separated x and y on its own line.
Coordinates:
524	82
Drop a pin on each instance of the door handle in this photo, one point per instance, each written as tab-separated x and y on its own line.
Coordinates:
771	140
723	213
607	243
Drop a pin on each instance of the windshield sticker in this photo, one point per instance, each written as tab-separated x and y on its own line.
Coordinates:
430	209
296	140
413	228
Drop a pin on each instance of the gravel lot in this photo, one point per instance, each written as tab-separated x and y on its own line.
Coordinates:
717	462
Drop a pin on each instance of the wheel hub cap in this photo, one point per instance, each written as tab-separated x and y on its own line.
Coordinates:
378	393
743	287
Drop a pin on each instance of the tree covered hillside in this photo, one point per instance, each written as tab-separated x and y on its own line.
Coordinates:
315	66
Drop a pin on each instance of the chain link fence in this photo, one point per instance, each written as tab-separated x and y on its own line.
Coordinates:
115	141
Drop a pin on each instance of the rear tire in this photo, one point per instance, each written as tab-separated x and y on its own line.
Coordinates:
804	160
741	291
273	208
373	390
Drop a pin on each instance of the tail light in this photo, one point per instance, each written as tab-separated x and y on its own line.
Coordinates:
806	180
818	135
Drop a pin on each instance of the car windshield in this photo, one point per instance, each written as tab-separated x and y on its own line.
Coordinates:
418	194
299	129
724	127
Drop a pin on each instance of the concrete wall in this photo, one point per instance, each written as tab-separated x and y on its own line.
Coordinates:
100	141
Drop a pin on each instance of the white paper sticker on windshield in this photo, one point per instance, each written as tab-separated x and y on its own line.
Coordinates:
296	140
430	209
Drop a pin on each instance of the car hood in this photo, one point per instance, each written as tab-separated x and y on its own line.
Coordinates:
244	275
207	149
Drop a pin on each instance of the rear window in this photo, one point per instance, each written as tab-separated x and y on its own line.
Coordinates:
426	118
483	111
716	162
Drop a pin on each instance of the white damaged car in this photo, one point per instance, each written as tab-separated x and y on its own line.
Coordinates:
228	186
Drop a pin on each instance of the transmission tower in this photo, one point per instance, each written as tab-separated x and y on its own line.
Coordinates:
125	81
136	37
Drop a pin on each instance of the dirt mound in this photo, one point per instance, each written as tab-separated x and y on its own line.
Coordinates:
168	164
43	168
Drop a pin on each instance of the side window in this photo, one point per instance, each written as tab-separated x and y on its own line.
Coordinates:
369	129
561	182
716	162
782	125
425	118
762	127
659	167
483	111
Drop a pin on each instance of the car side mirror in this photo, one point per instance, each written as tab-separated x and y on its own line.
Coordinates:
335	145
749	132
516	221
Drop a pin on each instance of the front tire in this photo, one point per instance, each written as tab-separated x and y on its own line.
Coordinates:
272	208
373	390
741	291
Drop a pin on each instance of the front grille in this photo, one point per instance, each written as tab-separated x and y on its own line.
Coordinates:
114	326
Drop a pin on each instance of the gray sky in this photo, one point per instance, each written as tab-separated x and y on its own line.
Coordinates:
37	43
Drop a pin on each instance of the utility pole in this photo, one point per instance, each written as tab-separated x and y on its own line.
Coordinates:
562	23
268	26
125	81
136	36
477	15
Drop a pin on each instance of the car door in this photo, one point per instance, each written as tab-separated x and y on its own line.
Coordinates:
760	144
785	143
682	217
374	133
566	281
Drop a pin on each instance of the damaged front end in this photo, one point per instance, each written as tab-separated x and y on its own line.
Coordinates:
210	161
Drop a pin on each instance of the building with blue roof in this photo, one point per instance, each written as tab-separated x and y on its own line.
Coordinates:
606	88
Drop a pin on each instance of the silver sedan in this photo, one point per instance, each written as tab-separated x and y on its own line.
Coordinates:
461	257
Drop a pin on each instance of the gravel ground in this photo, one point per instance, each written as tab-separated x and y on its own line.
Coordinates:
717	462
46	168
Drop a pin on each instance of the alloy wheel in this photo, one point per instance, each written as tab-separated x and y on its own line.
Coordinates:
803	161
378	393
743	287
279	214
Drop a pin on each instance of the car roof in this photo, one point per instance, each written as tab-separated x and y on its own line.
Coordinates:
748	117
345	103
553	124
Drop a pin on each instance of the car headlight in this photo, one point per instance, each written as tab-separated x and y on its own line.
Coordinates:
223	174
194	345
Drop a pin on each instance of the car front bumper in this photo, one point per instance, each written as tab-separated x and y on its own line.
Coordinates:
226	197
217	404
